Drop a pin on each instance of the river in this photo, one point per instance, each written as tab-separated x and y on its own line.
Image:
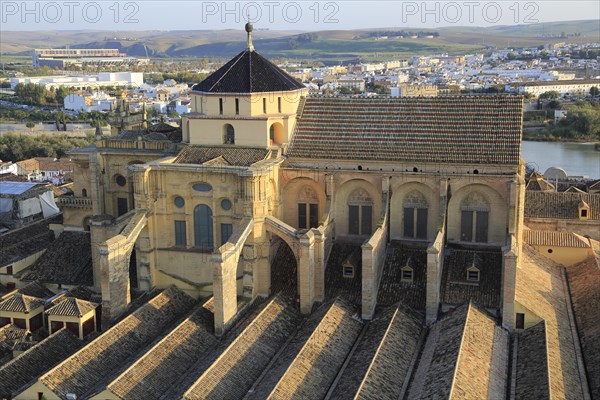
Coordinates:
576	158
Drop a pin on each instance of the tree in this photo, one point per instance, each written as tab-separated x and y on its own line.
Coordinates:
594	91
30	125
552	95
554	104
528	95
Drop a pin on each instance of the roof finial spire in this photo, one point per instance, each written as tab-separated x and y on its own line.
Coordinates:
249	29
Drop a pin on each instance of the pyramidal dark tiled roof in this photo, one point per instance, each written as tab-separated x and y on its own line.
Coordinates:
72	307
453	129
248	72
20	303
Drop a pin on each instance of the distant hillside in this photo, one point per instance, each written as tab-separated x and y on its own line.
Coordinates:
334	44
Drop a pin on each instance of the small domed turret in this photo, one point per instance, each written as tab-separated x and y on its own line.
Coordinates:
249	27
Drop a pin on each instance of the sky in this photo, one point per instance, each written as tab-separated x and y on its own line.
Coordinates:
283	15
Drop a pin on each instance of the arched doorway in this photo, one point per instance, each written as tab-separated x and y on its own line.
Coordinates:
284	269
203	227
276	133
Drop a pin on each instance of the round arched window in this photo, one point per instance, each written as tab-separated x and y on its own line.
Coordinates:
179	202
121	181
226	204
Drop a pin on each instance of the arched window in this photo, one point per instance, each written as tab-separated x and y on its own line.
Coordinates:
415	215
228	134
475	213
360	213
308	208
83	192
276	134
203	227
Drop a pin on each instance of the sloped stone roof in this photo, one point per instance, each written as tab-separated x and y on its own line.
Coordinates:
539	289
465	130
456	289
584	283
94	366
532	364
37	360
560	205
390	367
466	354
236	370
248	72
392	289
67	261
24	242
234	155
72	307
18	302
315	367
153	373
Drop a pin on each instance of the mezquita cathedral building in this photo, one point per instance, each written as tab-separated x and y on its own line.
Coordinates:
285	246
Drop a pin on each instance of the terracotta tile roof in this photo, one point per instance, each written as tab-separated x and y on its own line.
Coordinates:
72	307
236	156
67	261
540	289
554	238
532	364
24	242
471	130
390	366
248	72
456	289
236	370
315	367
584	283
392	289
153	373
21	303
560	205
34	362
97	364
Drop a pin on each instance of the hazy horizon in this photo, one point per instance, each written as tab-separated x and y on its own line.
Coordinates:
182	15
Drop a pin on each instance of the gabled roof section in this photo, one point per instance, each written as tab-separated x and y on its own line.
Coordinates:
453	129
248	72
232	155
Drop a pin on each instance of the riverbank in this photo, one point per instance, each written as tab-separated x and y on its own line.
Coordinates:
539	137
577	159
